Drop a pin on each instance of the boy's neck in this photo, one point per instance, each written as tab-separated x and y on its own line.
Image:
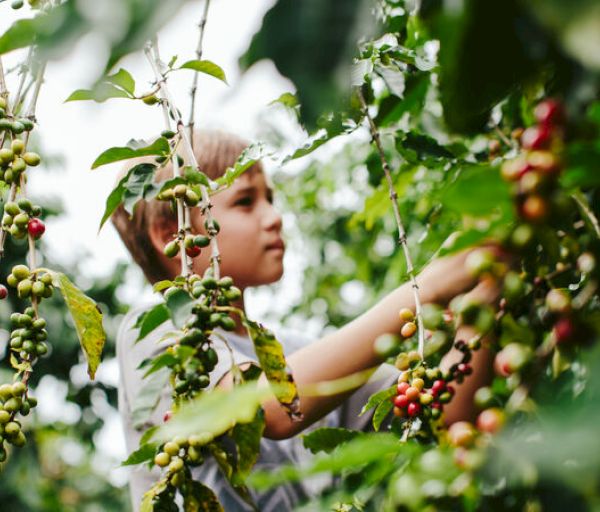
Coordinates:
239	326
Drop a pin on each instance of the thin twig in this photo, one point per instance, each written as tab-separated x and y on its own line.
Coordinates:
25	68
401	231
158	68
194	89
588	213
503	137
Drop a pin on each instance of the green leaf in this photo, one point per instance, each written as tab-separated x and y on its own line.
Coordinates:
124	80
180	306
227	464
287	99
479	190
214	412
328	438
147	398
247	438
159	498
159	286
250	156
99	94
205	66
87	318
164	360
197	497
159	147
381	412
144	453
377	398
272	361
151	319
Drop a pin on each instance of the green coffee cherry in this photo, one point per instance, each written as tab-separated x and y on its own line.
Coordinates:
38	288
176	465
31	158
12	208
201	241
17	146
167	134
18	388
4	416
171	249
24	288
6	156
162	459
25	204
21	220
171	448
18	165
191	198
17	127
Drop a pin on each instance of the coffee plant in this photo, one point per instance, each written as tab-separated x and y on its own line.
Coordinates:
484	132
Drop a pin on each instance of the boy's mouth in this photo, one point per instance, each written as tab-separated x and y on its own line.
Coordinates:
277	245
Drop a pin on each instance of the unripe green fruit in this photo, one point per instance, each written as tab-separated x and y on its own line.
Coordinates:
212	227
25	204
27	123
225	282
46	279
38	288
25	409
41	349
201	241
24	288
6	156
194	455
209	283
162	459
16	4
233	294
12	404
7	220
17	146
2	102
18	165
20	272
11	280
4	416
21	220
12	208
180	190
18	388
191	198
20	440
12	428
171	448
167	134
16	343
484	397
39	323
479	261
28	346
17	127
48	292
151	99
32	159
176	465
188	242
171	249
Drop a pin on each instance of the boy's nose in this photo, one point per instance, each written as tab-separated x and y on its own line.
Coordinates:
272	218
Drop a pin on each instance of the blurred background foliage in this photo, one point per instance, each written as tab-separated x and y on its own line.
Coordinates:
449	77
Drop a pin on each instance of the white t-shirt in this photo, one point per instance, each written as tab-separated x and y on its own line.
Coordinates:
139	411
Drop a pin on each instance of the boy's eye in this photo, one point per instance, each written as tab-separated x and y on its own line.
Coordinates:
244	201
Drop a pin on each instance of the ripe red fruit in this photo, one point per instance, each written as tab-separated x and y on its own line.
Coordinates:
414	409
3	292
536	137
408	329
512	170
167	416
438	386
490	420
465	369
412	394
401	401
36	228
193	251
402	387
549	112
564	330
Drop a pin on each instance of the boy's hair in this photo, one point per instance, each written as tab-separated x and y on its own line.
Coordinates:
215	151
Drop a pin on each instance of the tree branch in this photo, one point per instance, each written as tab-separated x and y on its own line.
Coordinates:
401	231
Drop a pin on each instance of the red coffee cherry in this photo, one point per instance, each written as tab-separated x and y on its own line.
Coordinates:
490	420
402	387
412	394
549	112
414	409
193	251
3	292
408	329
438	386
534	208
564	330
401	401
536	137
167	416
36	228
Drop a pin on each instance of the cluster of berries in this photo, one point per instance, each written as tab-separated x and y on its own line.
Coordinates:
181	452
17	4
193	244
30	284
29	335
14	399
535	170
14	160
21	218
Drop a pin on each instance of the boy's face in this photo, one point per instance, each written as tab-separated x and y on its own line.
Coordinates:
250	240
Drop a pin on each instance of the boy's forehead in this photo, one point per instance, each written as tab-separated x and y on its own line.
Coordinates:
252	177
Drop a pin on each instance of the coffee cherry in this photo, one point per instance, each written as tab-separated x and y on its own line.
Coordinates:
413	409
36	228
408	329
558	301
167	416
564	330
479	261
544	161
162	459
511	358
180	190
3	292
418	383
24	288
16	4
490	420
194	251
536	137
438	387
534	208
171	249
512	170
201	241
399	412
32	159
401	401
167	134
412	394
461	433
150	99
426	398
549	112
406	315
171	448
17	146
191	198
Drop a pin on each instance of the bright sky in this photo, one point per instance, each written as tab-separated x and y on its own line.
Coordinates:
79	131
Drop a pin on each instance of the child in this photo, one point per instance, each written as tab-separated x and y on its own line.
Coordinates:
252	251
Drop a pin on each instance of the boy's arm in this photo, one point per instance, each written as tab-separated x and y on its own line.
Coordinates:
350	349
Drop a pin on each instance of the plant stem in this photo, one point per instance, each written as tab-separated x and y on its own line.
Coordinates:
194	89
582	203
157	66
401	231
